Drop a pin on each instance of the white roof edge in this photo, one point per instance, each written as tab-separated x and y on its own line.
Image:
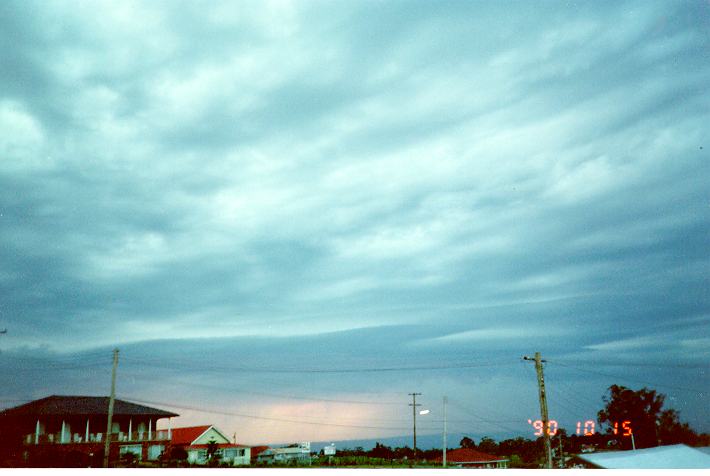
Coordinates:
211	427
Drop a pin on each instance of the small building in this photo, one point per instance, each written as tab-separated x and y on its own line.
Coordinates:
196	440
470	458
45	431
295	453
659	457
257	450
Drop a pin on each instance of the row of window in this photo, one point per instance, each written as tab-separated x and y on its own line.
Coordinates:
154	451
223	453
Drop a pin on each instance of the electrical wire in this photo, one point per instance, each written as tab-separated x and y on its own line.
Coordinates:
178	366
645	382
600	363
573	410
59	366
259	417
568	389
493	423
62	358
263	394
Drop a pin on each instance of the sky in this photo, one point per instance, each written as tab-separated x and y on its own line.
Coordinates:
287	216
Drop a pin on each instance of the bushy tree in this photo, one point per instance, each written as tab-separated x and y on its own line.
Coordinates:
651	424
467	442
523	453
641	408
212	455
488	445
381	451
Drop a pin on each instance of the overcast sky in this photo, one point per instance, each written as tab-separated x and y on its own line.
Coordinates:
224	190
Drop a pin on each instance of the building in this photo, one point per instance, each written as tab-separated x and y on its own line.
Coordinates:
470	458
196	440
256	451
71	431
660	457
296	453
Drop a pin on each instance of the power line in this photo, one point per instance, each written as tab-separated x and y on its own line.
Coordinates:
61	367
685	389
265	394
258	417
567	388
61	358
492	423
557	401
601	363
178	366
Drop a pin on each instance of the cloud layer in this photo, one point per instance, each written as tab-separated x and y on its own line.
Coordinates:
358	185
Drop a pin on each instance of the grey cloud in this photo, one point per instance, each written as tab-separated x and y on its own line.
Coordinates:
421	178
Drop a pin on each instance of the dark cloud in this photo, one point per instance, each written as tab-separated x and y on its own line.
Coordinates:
336	185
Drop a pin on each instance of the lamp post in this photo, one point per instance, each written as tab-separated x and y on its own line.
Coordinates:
421	412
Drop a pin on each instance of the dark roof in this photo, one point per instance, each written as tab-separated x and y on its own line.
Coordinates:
71	405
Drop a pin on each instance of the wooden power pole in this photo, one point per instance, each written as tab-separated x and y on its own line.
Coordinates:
543	408
112	398
414	406
445	444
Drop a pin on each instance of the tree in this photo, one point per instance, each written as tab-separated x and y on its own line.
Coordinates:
650	424
212	455
176	456
672	431
467	442
523	453
488	445
381	451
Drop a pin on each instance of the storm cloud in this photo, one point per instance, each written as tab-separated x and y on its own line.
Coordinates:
416	192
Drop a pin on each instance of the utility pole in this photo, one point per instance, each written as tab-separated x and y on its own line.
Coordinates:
445	402
543	408
562	455
414	406
112	398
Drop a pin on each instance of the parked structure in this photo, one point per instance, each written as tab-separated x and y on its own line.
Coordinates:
470	458
298	452
196	440
46	430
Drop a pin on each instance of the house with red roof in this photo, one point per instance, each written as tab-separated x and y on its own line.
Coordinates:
470	458
62	430
196	440
257	450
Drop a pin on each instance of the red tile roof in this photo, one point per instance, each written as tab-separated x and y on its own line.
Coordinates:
185	436
468	455
256	450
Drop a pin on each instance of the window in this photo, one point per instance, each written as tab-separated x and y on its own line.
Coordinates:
154	451
135	449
